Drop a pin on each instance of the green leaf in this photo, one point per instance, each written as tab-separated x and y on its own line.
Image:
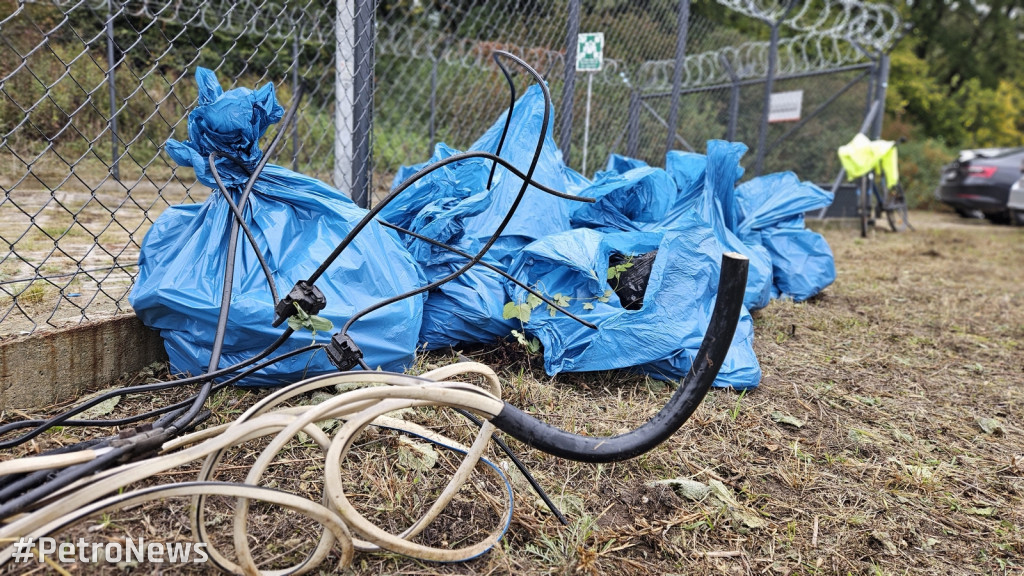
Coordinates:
588	306
524	312
552	310
510	311
561	300
783	418
533	346
990	426
294	323
534	301
101	409
300	312
319	324
613	272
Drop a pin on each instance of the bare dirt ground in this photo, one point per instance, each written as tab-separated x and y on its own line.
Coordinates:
885	438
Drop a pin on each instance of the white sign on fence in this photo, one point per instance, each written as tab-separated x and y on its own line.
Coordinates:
590	52
785	106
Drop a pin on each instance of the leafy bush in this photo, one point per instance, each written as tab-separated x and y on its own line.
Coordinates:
921	164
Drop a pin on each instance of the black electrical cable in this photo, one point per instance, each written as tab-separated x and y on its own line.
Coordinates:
63	417
508	117
229	265
527	179
14	483
157	411
492	268
522	468
10	486
245	227
372	214
66	476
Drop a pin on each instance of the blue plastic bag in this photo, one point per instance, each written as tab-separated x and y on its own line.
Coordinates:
772	210
802	261
538	214
774	198
704	185
626	201
297	221
618	164
663	336
453	205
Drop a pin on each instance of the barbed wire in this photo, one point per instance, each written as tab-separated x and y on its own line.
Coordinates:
871	25
796	55
265	18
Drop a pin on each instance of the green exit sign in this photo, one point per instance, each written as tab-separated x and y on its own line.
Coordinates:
590	52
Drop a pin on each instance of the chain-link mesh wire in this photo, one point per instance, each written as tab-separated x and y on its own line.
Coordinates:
83	172
631	96
90	90
436	80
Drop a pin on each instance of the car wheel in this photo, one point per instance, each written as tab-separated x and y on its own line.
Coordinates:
998	217
1017	217
966	213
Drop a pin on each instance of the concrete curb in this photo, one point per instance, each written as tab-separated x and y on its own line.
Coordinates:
49	367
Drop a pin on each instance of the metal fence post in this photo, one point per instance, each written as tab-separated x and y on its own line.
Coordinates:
872	81
362	87
432	127
344	43
295	89
734	98
633	124
682	27
115	169
773	57
569	87
880	90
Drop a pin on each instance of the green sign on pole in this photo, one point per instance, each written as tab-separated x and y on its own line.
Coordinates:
590	52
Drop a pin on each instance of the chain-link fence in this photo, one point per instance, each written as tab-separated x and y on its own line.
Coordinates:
90	90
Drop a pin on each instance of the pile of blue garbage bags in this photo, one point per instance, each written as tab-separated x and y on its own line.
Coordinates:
641	262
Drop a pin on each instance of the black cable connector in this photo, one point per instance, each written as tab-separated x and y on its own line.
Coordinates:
343	352
306	295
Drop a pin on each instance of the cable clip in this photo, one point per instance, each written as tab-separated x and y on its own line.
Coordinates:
343	352
306	295
142	441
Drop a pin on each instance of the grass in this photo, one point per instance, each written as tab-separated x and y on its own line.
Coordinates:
905	379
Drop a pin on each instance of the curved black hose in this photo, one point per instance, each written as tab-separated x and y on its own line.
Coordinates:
680	407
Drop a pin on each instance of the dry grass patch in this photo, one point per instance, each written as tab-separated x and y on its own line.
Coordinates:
884	439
